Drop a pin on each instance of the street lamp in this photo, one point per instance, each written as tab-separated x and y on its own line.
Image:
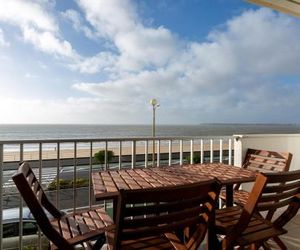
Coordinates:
155	105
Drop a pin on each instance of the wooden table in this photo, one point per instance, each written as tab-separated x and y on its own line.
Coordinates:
106	184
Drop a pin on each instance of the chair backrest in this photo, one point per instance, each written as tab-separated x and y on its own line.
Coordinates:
282	189
270	192
265	161
155	211
38	203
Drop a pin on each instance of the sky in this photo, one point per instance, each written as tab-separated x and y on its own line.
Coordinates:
100	62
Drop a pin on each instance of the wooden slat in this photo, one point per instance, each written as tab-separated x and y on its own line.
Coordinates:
97	220
163	218
88	221
118	180
147	231
278	196
73	226
282	187
144	179
30	178
65	230
83	228
162	207
106	219
108	182
131	182
98	184
150	243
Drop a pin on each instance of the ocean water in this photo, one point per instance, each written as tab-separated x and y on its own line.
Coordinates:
42	132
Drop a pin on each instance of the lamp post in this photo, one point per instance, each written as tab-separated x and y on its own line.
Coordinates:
155	105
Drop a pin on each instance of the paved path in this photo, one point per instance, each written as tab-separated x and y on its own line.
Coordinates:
48	175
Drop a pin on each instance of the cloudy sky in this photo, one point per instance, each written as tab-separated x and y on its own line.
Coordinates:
88	61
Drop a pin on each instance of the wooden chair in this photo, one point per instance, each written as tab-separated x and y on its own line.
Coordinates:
65	230
247	226
260	161
149	218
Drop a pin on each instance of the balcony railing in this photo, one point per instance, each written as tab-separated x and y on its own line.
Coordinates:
71	159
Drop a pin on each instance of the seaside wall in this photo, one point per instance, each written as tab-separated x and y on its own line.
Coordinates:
274	142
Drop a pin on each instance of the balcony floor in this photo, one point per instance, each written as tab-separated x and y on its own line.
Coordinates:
291	239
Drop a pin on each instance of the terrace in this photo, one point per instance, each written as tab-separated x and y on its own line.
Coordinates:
71	160
55	160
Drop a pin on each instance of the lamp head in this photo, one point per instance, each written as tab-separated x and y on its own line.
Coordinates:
153	102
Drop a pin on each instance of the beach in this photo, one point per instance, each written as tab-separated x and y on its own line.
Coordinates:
14	156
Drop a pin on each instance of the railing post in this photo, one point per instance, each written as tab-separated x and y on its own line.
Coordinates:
1	194
192	152
21	205
158	154
230	152
105	156
146	153
120	155
75	177
90	174
170	152
133	158
58	176
221	151
211	151
181	152
40	180
201	152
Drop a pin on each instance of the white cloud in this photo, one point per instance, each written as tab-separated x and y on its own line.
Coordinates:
3	42
237	75
110	17
49	43
37	25
104	61
231	77
77	23
27	13
138	47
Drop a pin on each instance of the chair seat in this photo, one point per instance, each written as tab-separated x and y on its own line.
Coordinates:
258	228
240	197
161	242
82	225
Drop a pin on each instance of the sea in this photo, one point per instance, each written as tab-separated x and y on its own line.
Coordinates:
73	131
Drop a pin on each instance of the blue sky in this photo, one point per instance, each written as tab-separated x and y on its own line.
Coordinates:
87	61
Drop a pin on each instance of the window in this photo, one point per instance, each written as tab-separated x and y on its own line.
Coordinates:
10	230
29	228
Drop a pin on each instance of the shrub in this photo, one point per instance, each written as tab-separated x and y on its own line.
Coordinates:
99	157
64	184
196	158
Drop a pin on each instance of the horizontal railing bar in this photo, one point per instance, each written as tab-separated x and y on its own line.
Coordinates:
123	139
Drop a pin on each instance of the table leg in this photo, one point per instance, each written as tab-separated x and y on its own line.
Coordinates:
229	195
115	204
212	240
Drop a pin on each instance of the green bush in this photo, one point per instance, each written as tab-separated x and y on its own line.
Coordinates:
29	248
99	157
196	158
64	184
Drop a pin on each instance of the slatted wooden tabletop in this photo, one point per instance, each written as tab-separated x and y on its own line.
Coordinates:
107	184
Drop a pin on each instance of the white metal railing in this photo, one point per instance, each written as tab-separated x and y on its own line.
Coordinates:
76	155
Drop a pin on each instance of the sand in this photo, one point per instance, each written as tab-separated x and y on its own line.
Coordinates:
83	153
